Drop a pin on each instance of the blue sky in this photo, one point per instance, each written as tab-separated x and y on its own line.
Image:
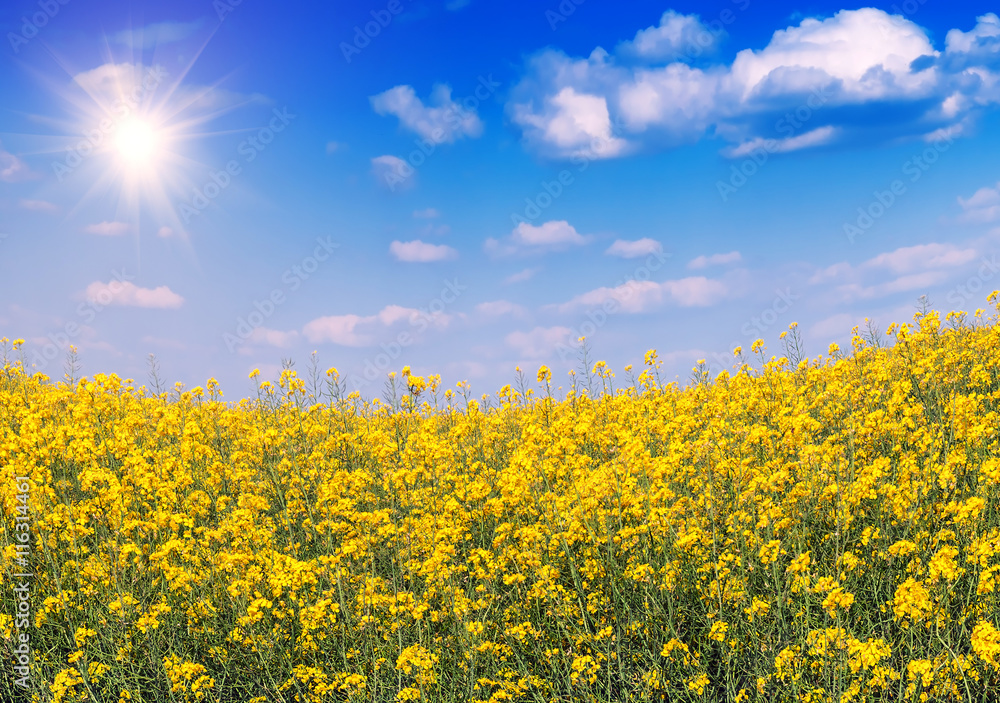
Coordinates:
465	187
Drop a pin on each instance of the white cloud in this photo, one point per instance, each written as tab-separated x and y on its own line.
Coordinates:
982	197
538	342
499	308
701	262
107	229
552	233
359	331
632	249
421	252
677	101
631	297
128	294
157	34
446	122
838	74
393	173
39	205
12	168
982	206
859	54
333	147
426	214
643	296
572	124
984	36
676	37
548	236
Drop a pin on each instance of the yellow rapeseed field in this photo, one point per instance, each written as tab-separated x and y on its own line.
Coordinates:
815	530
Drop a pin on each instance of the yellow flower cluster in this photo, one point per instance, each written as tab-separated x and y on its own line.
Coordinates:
824	530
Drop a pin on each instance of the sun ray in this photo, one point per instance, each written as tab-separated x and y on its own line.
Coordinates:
128	131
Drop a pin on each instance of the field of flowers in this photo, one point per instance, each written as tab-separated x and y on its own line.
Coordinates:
821	529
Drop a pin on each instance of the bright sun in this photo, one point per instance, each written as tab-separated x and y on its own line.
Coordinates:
137	118
138	144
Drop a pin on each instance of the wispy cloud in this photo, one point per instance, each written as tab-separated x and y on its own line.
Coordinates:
701	262
922	256
521	276
274	338
914	267
128	294
339	329
38	205
361	330
434	230
157	34
901	284
500	308
13	169
538	342
107	229
393	173
982	206
163	343
816	137
627	249
112	82
421	252
643	296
